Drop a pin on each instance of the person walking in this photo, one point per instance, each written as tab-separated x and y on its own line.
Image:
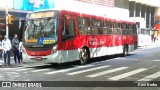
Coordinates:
15	48
6	45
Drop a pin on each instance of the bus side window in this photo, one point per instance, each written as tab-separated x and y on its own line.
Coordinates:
134	29
68	29
116	29
124	28
107	28
71	29
64	26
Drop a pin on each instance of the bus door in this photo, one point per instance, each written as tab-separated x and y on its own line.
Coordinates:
97	40
108	36
130	35
124	33
69	43
117	38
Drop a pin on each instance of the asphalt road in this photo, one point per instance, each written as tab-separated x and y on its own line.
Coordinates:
140	65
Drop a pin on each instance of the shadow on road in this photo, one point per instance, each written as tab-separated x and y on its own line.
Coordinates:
76	63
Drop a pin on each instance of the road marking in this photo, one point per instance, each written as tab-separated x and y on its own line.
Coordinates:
70	69
106	72
155	60
87	70
20	67
23	69
12	73
127	74
151	77
12	68
40	70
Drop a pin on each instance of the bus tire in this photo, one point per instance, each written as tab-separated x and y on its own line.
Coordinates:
83	56
125	51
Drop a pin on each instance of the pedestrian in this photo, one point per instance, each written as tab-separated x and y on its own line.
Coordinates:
6	45
155	39
20	50
15	48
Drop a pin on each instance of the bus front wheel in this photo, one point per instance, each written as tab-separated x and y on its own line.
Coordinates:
84	56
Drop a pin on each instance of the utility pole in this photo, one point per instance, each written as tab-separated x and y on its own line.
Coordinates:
7	30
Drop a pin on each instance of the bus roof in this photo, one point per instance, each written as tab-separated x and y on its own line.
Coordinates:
85	14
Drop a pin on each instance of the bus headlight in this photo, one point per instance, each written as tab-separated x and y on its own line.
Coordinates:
54	49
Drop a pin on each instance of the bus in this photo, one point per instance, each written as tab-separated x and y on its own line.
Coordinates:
59	36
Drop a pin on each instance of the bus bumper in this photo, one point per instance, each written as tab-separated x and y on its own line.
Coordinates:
52	58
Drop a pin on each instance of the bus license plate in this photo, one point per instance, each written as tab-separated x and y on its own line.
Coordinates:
38	58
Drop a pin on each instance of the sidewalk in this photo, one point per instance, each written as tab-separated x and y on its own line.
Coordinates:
11	62
152	45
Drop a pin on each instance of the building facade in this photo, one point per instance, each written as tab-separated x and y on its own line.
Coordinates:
144	12
140	11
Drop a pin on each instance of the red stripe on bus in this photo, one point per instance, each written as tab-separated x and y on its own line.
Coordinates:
39	53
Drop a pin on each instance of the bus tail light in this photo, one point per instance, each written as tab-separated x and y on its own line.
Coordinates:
54	49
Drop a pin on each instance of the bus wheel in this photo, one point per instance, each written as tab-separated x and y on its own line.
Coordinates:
125	51
84	56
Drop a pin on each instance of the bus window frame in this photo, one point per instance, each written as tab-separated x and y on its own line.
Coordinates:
68	20
97	24
107	27
86	29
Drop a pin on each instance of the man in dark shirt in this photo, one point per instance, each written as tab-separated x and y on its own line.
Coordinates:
15	48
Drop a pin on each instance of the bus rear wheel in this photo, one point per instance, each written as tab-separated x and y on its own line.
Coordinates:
84	56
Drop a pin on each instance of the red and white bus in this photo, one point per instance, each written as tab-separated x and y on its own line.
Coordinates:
59	36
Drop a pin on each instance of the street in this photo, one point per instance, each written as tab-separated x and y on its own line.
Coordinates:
140	65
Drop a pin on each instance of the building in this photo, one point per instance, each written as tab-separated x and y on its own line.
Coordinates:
140	11
19	10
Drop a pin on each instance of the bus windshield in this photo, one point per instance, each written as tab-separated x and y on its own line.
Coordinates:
41	31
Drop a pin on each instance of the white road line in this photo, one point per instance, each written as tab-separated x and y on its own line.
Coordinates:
127	74
70	69
106	72
14	68
151	77
12	73
155	60
87	70
23	69
40	70
7	69
20	67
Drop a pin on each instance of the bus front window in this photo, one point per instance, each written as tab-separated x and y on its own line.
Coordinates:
41	31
